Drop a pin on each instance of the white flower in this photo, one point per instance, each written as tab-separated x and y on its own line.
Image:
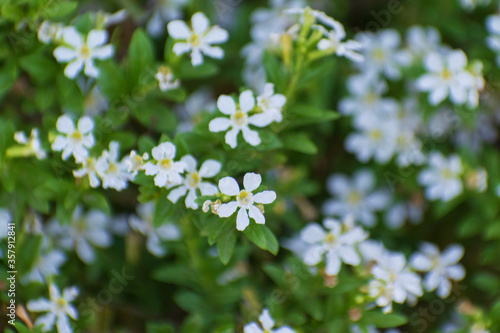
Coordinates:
103	19
355	197
135	162
81	53
442	268
76	141
194	181
238	119
267	323
382	55
166	170
46	265
95	102
338	242
58	308
199	39
493	41
88	169
144	225
164	12
49	31
245	200
442	177
271	105
114	173
447	76
165	79
333	42
83	232
33	143
402	211
393	282
422	41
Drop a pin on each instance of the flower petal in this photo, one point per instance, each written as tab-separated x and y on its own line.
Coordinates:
219	124
256	214
229	186
178	29
251	181
226	104
242	220
200	23
227	209
210	168
265	197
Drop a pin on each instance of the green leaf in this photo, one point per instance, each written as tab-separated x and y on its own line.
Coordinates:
302	114
300	142
159	328
187	71
39	66
275	71
272	243
384	320
57	9
140	55
111	80
31	245
8	76
261	236
225	246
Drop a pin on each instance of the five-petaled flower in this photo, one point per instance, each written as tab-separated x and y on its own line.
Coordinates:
199	39
166	170
245	200
267	323
80	53
76	141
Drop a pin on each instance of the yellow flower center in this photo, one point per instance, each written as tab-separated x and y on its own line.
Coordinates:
329	238
376	135
240	118
370	98
193	179
446	74
77	136
245	198
354	198
447	173
194	40
61	303
90	164
379	54
85	52
167	163
113	168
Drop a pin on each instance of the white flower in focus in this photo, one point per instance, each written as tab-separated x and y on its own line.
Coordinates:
442	268
76	141
442	177
114	173
88	169
271	104
381	54
194	181
83	232
355	197
267	323
393	282
46	265
135	162
144	224
199	39
33	143
80	53
165	79
50	32
333	41
95	102
238	119
245	200
446	76
339	242
58	308
166	170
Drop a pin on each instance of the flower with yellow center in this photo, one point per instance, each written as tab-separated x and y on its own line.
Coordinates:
267	323
76	141
113	172
166	170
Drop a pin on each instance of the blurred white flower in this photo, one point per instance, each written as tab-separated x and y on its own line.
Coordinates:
155	236
355	197
164	11
81	53
442	268
422	41
267	323
135	162
193	181
32	143
446	75
114	173
493	40
442	177
401	212
95	102
333	41
50	32
46	264
88	169
245	200
339	243
58	308
238	119
393	282
76	141
83	232
166	170
271	105
199	39
165	79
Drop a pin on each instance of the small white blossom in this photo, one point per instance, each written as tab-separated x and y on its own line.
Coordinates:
422	41
238	119
88	169
80	53
334	41
355	197
442	268
164	12
245	200
46	265
442	177
193	181
76	141
267	324
493	41
33	143
165	79
393	282
166	170
402	211
144	224
271	105
50	32
103	20
338	242
114	173
58	308
446	76
199	39
135	162
83	232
